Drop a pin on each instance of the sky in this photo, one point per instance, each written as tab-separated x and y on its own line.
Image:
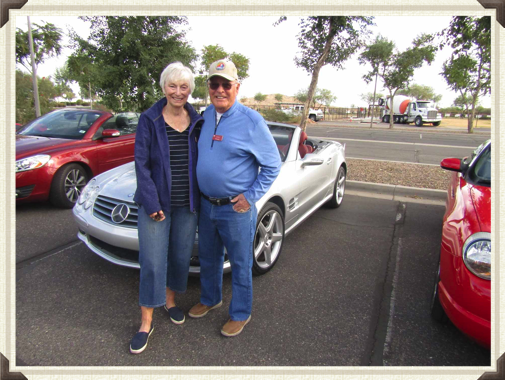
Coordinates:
272	49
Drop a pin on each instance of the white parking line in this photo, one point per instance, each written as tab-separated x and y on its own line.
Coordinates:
393	142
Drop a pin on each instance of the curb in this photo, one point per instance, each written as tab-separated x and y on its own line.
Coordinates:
396	192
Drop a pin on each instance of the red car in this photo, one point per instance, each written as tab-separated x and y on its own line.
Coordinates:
56	154
463	286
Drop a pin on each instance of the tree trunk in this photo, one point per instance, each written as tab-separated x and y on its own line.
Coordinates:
315	74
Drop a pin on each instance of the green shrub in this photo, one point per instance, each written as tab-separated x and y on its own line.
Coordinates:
276	116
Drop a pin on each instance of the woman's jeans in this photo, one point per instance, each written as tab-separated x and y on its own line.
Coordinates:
164	253
219	227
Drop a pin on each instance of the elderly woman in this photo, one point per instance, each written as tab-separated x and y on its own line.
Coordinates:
168	198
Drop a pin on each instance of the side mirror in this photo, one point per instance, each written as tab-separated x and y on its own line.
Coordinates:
110	133
453	164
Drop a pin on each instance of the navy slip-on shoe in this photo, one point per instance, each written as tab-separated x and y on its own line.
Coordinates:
139	341
176	315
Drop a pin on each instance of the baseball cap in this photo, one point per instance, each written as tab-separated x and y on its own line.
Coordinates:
223	68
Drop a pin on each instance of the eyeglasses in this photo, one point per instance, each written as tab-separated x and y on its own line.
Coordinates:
226	86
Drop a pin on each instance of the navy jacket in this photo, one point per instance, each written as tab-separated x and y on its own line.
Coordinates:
152	160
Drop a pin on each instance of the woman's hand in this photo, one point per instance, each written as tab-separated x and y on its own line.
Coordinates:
157	216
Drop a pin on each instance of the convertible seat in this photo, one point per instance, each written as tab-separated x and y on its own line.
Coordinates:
302	148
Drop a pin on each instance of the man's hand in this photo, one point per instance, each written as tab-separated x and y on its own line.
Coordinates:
241	204
157	216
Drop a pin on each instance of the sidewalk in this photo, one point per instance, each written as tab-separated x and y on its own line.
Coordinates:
396	192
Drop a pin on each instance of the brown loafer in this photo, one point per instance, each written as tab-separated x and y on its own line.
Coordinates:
233	328
200	310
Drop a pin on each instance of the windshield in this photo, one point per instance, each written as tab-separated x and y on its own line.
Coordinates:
282	136
423	105
68	124
480	172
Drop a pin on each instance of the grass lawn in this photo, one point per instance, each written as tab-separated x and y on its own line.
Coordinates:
463	123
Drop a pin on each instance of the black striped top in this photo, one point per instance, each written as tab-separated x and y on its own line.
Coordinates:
179	164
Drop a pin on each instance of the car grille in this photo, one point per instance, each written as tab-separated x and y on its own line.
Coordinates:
132	255
432	114
103	207
122	253
23	192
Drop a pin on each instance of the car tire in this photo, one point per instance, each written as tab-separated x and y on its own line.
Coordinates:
385	119
436	124
67	185
312	117
437	311
418	122
268	239
338	189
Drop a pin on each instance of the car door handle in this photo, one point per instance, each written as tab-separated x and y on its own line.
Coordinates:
328	161
313	162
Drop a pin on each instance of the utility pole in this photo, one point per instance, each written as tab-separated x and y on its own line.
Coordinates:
90	97
373	102
34	70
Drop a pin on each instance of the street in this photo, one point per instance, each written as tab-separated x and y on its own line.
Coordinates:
404	144
352	288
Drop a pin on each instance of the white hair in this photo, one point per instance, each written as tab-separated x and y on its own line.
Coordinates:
175	72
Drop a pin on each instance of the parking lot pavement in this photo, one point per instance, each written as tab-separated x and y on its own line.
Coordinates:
327	302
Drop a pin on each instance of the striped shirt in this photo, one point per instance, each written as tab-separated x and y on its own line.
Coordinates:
179	160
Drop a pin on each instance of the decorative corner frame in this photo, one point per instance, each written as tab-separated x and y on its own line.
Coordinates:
499	5
4	371
5	5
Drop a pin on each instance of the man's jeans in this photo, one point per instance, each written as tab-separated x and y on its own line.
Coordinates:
219	227
165	252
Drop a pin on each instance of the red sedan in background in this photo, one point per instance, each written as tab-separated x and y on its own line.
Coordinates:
57	153
463	286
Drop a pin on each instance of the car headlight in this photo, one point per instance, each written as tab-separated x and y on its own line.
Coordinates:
477	254
33	162
89	194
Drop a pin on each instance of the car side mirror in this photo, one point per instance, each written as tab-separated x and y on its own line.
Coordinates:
110	133
453	164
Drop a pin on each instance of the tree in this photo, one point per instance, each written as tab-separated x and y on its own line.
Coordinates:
46	44
123	59
324	96
25	110
301	95
327	40
62	80
259	97
368	98
396	69
465	101
468	70
420	92
279	97
212	53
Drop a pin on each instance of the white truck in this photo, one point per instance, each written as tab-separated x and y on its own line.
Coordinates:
409	110
314	115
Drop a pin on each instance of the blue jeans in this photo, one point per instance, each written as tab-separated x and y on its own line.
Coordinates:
164	253
220	227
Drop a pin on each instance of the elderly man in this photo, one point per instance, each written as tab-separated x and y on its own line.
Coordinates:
234	143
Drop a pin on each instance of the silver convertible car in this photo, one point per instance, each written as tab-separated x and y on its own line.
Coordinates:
313	174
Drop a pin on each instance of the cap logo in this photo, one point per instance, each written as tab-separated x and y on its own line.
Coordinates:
220	66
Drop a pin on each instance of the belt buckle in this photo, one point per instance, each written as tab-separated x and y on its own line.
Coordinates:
218	201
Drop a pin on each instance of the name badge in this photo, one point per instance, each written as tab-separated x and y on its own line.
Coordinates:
217	138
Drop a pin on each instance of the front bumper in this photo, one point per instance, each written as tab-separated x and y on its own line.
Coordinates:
119	245
33	185
477	328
